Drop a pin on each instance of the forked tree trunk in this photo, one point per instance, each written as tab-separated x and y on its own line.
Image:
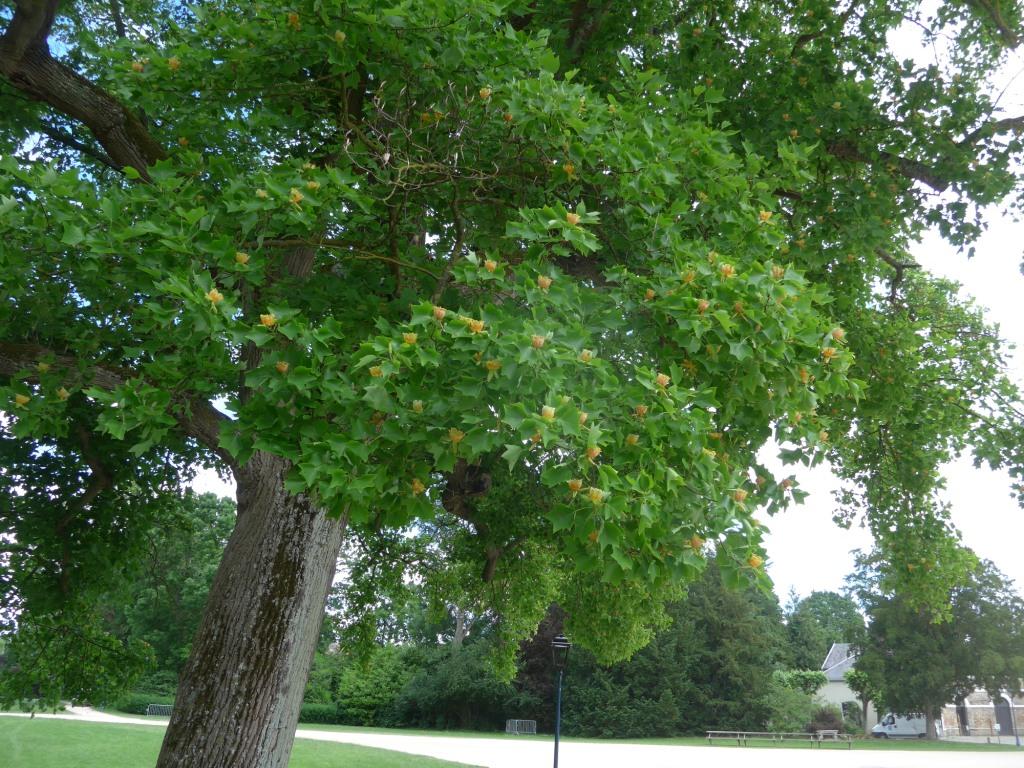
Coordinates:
241	689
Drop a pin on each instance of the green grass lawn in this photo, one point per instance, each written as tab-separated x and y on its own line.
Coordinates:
41	743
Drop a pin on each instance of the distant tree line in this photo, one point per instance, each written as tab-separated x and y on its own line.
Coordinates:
423	655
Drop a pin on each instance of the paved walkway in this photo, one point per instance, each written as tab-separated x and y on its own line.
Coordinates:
509	753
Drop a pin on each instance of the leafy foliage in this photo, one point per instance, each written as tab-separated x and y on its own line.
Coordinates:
536	278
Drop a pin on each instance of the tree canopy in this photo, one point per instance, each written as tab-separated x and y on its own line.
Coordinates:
915	664
548	273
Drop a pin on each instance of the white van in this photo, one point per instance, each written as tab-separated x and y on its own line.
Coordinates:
895	727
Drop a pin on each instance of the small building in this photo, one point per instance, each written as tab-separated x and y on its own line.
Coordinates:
979	714
836	691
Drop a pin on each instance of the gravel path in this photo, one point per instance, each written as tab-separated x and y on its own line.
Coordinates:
506	753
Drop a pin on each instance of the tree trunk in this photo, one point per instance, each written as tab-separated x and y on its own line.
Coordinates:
930	715
864	709
241	690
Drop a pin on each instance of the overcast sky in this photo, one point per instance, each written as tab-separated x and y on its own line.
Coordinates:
807	551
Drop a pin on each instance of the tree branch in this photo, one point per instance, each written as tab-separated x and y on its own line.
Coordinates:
990	10
72	143
583	24
912	169
196	417
26	63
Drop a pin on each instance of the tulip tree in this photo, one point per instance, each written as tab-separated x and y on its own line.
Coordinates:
392	265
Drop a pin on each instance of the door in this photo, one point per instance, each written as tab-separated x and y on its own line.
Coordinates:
1004	717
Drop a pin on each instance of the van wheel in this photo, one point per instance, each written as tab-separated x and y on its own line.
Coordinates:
885	735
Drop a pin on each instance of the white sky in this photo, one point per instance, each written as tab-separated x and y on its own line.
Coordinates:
807	551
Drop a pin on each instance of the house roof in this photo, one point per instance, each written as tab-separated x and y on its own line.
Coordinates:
840	658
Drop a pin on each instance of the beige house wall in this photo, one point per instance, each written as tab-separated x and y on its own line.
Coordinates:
837	693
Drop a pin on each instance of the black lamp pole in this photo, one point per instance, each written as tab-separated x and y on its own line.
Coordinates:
560	653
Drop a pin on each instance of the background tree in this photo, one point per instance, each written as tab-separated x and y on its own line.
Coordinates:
440	253
165	600
816	622
917	664
864	687
709	668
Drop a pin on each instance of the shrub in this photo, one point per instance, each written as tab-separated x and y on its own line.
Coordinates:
319	713
788	710
826	718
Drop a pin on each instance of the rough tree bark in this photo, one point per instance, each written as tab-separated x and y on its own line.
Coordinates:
241	690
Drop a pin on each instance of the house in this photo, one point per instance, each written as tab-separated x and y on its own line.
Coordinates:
976	715
835	691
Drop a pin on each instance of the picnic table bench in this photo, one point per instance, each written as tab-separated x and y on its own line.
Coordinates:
742	737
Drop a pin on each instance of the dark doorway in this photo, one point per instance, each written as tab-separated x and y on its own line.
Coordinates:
961	717
1004	717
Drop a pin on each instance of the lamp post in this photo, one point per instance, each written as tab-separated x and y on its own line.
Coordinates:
560	654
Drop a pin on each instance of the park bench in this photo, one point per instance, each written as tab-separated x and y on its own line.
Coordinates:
743	737
159	709
521	726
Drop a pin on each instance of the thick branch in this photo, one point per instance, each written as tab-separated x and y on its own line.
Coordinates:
1006	125
71	142
196	417
990	10
809	37
584	22
912	169
26	63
